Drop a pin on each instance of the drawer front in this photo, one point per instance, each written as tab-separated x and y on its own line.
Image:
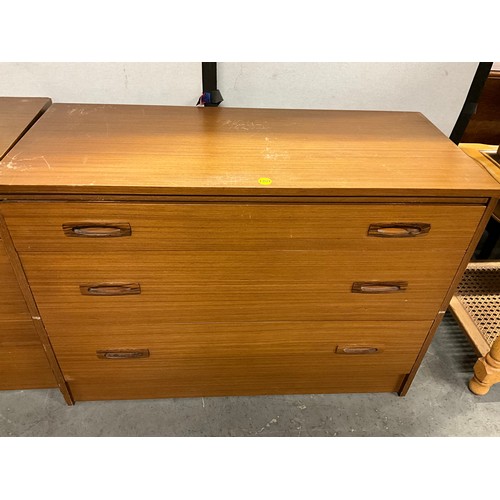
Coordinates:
103	227
24	367
18	332
12	304
238	358
237	286
23	364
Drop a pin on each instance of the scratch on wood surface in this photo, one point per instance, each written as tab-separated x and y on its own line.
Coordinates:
272	154
46	162
81	111
20	164
11	165
245	125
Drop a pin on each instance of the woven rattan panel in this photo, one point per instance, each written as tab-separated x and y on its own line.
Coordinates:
479	293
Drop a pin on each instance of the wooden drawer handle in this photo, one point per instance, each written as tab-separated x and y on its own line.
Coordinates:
111	289
359	349
97	229
379	286
399	229
123	354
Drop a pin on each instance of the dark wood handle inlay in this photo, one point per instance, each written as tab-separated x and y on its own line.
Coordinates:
97	229
359	349
379	286
399	229
111	289
123	354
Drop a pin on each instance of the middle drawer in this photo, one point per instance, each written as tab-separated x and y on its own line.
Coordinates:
184	287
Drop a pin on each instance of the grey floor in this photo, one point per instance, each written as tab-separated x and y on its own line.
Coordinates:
438	404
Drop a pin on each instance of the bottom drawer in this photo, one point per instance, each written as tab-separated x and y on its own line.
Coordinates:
223	359
23	363
172	385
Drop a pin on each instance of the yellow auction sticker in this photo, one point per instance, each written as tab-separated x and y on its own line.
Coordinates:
265	181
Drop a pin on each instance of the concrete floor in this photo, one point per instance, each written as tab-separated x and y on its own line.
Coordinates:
438	404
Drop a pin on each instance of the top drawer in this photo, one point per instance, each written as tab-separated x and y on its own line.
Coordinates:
103	226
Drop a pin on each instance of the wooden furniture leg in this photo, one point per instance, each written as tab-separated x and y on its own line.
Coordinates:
486	371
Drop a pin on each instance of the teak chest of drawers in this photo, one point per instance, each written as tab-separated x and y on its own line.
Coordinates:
171	251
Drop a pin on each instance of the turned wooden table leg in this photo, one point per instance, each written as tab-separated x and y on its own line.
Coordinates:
486	371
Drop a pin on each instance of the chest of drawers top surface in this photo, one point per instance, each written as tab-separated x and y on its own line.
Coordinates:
126	149
16	115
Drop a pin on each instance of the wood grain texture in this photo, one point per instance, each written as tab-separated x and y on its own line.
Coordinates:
453	286
117	149
239	286
23	363
165	198
45	347
245	288
484	124
17	332
237	226
24	366
198	379
12	304
17	114
478	152
239	358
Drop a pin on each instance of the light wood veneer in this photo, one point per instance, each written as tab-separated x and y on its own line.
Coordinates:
239	226
119	149
164	263
17	115
239	358
23	361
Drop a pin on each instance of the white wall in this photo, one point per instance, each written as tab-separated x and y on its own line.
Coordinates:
437	90
101	83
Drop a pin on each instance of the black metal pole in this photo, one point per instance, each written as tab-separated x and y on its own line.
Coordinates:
470	104
211	95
